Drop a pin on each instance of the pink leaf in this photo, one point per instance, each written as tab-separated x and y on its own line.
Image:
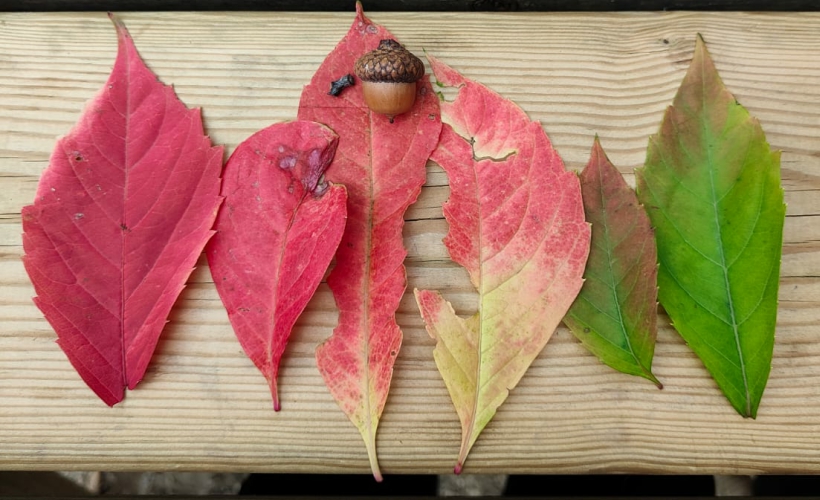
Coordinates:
276	234
121	215
382	164
517	226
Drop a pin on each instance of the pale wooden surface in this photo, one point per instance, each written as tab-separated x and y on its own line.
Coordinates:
204	406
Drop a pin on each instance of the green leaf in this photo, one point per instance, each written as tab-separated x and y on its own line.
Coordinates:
711	186
616	314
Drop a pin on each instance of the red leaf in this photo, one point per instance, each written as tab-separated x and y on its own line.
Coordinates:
382	164
276	235
121	215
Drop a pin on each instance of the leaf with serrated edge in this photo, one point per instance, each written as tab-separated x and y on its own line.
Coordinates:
517	225
711	186
382	164
121	215
616	313
277	231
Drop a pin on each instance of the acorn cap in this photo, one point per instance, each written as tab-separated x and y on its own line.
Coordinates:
391	62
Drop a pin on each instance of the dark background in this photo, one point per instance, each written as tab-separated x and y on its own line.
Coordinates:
407	5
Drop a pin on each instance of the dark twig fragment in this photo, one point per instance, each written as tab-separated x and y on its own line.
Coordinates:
340	84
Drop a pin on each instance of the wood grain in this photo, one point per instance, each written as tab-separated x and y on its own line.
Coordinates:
203	406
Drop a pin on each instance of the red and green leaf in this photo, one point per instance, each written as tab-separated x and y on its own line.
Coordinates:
616	313
517	225
276	235
121	215
711	185
382	164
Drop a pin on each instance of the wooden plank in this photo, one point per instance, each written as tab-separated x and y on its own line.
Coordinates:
203	406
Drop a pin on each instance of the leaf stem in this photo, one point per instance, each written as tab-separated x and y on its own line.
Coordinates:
370	444
463	452
274	393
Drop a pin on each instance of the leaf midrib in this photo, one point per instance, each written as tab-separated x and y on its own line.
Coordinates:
611	272
465	446
123	232
719	239
366	294
276	290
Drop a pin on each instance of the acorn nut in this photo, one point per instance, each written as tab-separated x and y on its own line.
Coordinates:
389	75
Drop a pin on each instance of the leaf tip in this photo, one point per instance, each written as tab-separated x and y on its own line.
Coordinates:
700	46
444	75
593	168
597	150
458	468
751	409
121	29
109	397
648	375
360	13
702	60
747	410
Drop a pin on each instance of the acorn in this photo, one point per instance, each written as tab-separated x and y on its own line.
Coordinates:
389	75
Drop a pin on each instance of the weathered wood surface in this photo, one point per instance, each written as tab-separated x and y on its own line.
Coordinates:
203	405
